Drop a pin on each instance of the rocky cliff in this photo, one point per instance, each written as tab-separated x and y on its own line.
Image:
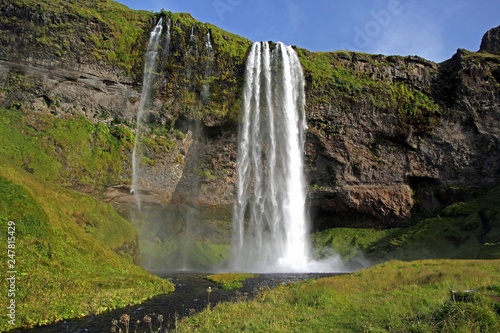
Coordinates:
388	136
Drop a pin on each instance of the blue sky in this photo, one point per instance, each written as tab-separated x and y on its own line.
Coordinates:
432	29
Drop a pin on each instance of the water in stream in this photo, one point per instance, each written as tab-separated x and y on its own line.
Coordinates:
190	297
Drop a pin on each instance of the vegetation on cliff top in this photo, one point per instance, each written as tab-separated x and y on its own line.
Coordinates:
75	31
333	80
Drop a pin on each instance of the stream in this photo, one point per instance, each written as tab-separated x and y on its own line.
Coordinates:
190	296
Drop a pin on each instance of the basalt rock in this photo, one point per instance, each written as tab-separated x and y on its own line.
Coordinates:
491	41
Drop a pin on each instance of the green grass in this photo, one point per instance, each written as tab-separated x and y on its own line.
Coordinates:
79	249
181	252
464	230
74	255
393	297
69	150
230	281
349	243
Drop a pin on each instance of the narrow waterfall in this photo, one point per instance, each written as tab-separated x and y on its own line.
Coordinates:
270	226
166	49
147	84
192	38
208	43
209	56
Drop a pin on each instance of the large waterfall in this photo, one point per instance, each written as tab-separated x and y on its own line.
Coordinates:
147	84
270	228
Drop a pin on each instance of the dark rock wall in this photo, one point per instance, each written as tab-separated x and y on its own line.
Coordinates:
369	162
371	167
491	41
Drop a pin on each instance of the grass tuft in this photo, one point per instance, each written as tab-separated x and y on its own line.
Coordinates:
230	280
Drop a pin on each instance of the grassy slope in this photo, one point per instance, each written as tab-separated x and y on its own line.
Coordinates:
69	150
393	297
464	230
67	242
63	270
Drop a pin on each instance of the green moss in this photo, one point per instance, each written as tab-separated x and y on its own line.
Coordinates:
69	150
464	230
480	57
332	79
116	30
414	107
230	281
205	174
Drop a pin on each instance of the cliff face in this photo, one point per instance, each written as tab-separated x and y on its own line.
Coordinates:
491	41
388	135
376	163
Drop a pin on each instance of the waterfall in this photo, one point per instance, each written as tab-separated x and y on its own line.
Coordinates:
270	226
208	44
209	56
192	38
147	84
166	49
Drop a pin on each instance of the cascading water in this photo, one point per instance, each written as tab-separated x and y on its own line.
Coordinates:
192	38
166	49
208	43
271	189
147	83
205	91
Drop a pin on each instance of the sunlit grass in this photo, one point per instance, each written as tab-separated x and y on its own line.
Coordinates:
67	247
230	280
393	297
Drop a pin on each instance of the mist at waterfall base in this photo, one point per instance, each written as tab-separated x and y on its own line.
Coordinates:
270	229
270	224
